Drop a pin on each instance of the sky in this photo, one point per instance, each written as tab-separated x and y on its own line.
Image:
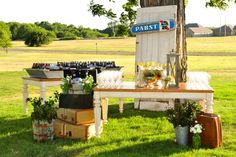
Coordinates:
76	12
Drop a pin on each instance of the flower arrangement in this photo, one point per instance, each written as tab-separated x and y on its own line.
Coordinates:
66	85
149	73
196	130
88	84
166	80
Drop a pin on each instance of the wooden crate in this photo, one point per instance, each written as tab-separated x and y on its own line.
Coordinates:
67	130
76	116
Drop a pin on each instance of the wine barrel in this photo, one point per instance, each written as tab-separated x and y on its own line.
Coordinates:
43	131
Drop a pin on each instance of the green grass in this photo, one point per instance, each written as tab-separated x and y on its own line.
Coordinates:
212	44
134	133
208	44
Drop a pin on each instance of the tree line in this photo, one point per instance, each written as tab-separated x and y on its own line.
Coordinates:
44	32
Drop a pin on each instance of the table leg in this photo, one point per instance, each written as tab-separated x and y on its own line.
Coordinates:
43	91
97	113
25	97
136	103
171	103
121	105
203	104
104	109
209	103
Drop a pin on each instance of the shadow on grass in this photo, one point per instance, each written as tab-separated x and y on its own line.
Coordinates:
146	149
129	111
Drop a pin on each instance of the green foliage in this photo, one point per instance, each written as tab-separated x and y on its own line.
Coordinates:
122	30
66	84
88	84
14	27
222	4
5	36
44	24
100	10
38	37
44	111
128	17
183	114
126	20
24	31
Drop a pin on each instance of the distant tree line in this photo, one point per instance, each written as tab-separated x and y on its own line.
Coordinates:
43	33
61	31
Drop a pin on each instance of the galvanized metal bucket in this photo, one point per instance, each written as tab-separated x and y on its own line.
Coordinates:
42	130
182	135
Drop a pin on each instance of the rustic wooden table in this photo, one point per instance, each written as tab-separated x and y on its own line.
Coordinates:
194	91
39	82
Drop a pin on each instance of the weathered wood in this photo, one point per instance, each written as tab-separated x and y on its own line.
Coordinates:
181	45
154	46
152	3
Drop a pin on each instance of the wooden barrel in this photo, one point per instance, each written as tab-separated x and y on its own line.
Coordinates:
43	130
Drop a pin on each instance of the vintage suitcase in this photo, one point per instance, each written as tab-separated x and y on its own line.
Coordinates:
76	101
212	130
66	130
76	116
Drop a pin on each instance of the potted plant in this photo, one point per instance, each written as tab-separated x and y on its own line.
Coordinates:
83	100
43	117
196	130
167	80
66	85
182	117
88	84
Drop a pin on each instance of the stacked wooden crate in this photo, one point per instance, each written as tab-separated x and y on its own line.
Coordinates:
75	123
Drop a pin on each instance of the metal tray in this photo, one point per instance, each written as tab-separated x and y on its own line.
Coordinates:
41	73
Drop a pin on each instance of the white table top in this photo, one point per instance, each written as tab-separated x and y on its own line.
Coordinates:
130	87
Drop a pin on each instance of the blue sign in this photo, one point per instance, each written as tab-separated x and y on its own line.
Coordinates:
162	25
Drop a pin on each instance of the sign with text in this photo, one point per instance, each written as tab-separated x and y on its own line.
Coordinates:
162	25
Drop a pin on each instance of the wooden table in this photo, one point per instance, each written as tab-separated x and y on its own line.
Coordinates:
39	82
194	91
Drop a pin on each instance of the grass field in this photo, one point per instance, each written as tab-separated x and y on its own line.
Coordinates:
131	134
212	44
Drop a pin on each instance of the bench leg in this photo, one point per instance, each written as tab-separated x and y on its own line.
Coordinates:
209	103
104	109
136	103
25	97
121	105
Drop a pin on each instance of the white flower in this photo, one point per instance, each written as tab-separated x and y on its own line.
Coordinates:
196	129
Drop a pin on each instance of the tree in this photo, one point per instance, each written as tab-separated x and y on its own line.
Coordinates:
14	28
24	30
44	24
122	31
5	36
127	17
38	37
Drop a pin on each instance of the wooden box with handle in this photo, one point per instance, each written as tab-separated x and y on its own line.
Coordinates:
66	130
76	116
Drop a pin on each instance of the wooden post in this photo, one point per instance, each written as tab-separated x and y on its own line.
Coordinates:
181	45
